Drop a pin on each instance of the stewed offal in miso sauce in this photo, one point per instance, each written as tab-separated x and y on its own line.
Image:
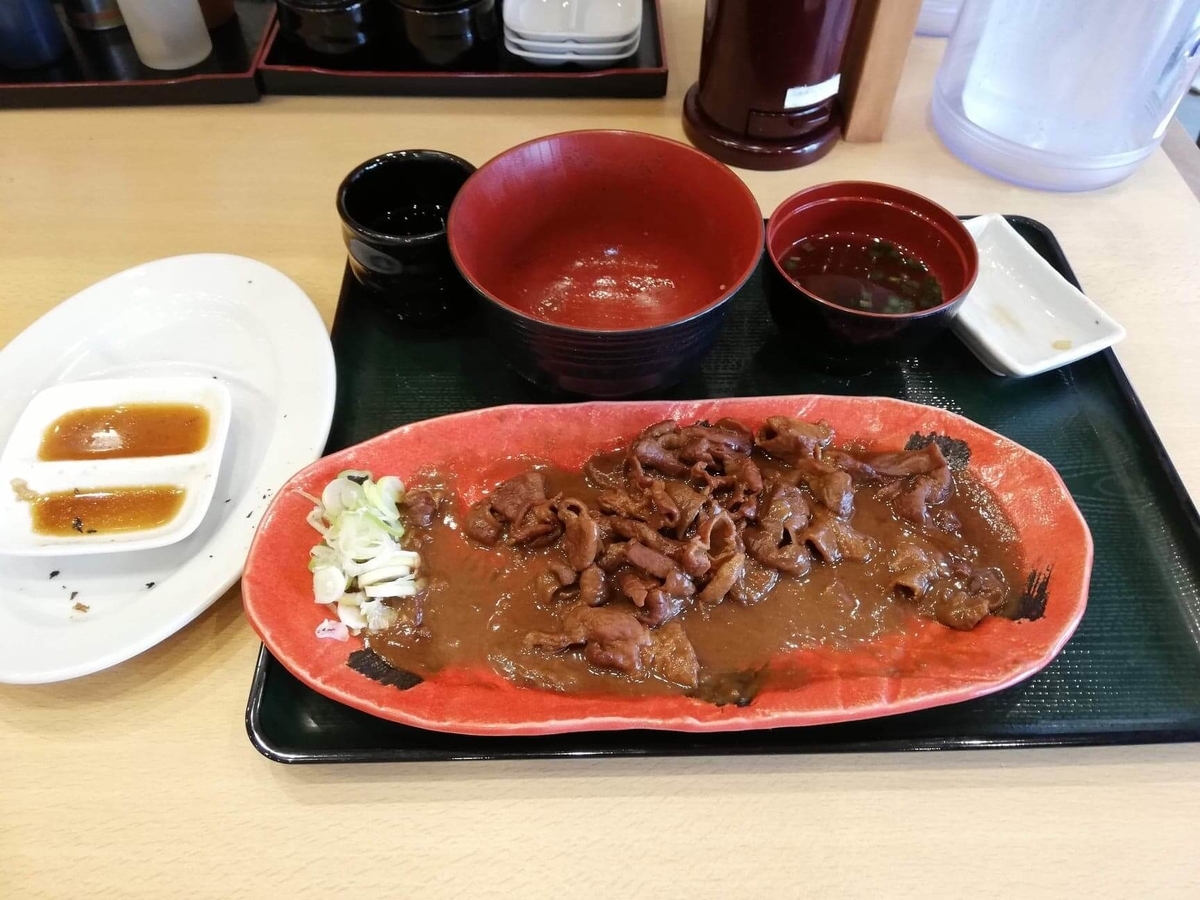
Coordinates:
694	553
126	431
863	273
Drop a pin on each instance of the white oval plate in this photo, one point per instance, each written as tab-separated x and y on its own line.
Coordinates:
224	317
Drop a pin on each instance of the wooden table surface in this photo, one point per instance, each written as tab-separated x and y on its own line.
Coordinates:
140	782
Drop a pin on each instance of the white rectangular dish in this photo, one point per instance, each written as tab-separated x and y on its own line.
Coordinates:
627	47
1021	317
194	473
592	60
574	20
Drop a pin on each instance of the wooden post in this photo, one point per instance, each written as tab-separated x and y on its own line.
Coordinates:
879	37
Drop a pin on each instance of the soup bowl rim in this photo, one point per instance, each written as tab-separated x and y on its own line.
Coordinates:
796	203
723	297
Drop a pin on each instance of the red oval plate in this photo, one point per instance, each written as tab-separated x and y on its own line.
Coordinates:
924	667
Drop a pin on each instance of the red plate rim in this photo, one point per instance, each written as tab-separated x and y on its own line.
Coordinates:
874	679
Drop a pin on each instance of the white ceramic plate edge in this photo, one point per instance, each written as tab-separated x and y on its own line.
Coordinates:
551	37
511	38
318	386
569	57
514	20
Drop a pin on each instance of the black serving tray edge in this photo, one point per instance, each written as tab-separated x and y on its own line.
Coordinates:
189	86
765	742
618	82
768	741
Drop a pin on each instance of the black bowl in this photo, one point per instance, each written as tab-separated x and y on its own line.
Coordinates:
445	35
393	210
838	338
434	5
604	365
330	28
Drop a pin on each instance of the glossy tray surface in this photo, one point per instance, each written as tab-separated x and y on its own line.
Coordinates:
1130	674
284	70
101	68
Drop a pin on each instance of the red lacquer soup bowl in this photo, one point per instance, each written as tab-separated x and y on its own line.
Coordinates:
839	337
923	666
606	258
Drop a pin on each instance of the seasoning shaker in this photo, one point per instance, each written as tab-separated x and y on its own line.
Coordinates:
30	34
336	31
93	15
110	55
167	34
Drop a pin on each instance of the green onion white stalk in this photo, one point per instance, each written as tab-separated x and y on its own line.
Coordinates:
359	562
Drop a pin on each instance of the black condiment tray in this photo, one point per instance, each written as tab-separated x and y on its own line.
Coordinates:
285	70
100	68
1131	673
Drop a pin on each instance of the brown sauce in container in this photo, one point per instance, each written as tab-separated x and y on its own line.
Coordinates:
102	510
125	431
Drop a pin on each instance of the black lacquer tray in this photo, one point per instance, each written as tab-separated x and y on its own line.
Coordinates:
1131	673
284	70
101	68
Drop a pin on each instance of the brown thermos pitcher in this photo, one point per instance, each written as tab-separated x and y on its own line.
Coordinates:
769	77
217	12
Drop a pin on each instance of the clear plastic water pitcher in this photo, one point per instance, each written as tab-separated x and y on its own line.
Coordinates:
937	17
1064	95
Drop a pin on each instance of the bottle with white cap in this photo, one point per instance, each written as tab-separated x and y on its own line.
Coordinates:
167	34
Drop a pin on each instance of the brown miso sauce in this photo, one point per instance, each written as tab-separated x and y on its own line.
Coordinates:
129	430
101	510
481	602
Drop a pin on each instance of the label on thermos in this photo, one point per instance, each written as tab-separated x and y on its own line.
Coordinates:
808	94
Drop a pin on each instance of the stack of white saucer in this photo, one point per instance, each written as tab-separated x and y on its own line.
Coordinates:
592	33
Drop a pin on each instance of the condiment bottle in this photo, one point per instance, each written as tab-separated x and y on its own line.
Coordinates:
93	15
168	34
29	34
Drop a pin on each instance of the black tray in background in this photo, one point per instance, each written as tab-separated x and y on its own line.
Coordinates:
284	70
101	68
1130	674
